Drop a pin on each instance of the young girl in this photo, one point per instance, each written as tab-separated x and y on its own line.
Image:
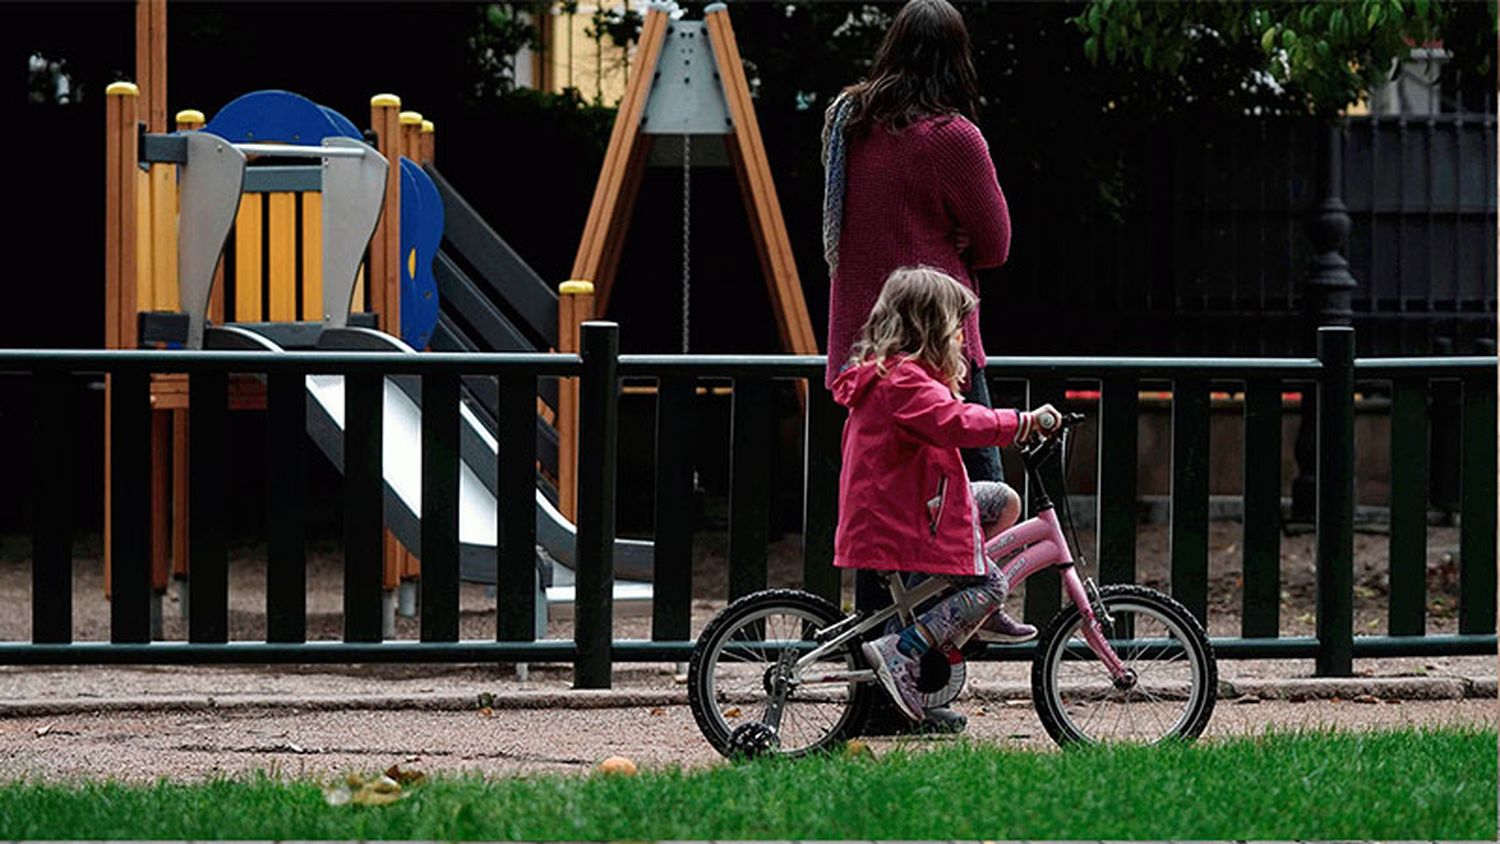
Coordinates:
905	500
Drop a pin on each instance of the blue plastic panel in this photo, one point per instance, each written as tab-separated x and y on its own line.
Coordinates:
421	230
279	117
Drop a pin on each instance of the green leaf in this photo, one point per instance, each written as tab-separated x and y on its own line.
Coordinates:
1091	49
1268	40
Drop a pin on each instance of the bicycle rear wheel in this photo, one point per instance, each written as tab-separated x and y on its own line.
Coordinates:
1176	677
730	674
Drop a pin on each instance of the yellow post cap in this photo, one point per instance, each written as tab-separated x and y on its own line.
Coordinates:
427	127
411	118
190	115
576	287
386	100
122	89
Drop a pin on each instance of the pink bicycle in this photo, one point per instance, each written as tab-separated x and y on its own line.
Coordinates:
780	671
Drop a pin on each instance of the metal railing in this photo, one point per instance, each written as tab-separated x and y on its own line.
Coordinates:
753	437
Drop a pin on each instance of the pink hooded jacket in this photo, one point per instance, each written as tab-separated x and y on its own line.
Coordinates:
904	501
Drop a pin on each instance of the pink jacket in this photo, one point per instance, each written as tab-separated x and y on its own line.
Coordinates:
904	501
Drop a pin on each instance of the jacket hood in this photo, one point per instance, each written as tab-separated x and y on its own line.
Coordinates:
854	383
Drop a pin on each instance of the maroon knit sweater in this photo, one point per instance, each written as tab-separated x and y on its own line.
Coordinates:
910	198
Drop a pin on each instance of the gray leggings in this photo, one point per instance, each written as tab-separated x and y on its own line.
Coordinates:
960	614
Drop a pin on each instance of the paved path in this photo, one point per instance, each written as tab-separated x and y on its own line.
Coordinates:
186	723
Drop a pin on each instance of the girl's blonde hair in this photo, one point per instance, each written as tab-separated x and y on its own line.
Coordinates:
919	311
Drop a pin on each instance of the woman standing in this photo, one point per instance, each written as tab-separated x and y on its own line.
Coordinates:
909	181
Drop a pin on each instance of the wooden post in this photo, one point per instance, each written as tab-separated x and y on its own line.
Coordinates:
411	136
122	103
575	306
151	62
607	207
407	565
383	281
429	143
749	155
384	278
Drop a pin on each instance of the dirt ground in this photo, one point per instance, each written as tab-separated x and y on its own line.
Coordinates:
192	745
710	578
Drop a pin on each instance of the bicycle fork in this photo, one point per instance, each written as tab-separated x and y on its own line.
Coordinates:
1085	596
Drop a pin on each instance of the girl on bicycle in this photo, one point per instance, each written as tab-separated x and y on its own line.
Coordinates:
905	500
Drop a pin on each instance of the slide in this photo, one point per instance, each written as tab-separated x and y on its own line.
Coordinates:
402	450
462	289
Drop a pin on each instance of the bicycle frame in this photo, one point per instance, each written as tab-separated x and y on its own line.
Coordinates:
1029	546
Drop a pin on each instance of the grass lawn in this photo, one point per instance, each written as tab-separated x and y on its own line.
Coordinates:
1409	784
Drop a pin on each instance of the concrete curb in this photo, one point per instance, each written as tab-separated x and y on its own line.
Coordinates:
572	699
1358	689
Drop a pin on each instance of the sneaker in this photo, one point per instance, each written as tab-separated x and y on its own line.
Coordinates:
943	719
1000	627
886	720
897	673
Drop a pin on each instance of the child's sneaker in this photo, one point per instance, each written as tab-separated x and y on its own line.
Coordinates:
897	673
1000	627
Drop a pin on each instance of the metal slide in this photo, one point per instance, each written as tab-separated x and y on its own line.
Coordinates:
402	450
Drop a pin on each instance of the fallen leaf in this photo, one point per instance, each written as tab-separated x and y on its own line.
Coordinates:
1366	699
407	777
381	792
732	712
43	730
657	710
486	712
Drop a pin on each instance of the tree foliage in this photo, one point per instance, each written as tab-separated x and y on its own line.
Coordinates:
1276	55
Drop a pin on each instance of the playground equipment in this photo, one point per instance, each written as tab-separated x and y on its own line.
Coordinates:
247	167
688	82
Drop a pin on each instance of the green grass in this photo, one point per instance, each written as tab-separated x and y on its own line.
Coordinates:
1395	785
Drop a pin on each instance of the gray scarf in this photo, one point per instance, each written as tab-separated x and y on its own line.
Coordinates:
834	144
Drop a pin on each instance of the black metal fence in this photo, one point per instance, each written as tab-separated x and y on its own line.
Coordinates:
600	369
1208	253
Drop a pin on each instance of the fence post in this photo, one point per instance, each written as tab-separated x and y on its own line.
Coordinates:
1336	502
598	425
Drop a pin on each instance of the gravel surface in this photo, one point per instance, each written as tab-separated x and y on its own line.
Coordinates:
195	745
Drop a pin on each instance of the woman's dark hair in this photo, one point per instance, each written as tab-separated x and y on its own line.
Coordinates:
924	67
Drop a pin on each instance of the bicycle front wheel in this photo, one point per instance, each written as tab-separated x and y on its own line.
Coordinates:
730	677
1175	681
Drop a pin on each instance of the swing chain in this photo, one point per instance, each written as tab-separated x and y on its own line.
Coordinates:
687	231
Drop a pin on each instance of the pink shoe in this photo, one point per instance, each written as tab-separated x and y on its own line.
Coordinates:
897	673
1000	627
